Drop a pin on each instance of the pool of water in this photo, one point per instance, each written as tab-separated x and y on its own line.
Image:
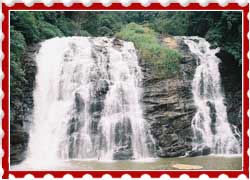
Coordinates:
206	162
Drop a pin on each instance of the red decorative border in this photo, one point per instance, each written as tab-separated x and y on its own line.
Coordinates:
118	6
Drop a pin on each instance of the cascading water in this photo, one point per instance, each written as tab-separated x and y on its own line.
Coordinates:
87	101
210	124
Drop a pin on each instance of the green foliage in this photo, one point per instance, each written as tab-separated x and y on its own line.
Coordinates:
174	23
107	24
48	30
110	21
84	33
105	31
48	16
25	22
67	26
89	21
164	61
226	33
17	46
139	17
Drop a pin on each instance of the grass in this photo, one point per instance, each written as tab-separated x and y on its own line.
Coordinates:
164	61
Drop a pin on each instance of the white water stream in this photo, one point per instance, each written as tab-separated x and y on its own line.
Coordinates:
210	124
87	102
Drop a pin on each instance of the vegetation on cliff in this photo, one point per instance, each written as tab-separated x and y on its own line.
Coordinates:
17	46
165	61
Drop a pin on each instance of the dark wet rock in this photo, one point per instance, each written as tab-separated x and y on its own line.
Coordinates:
213	116
18	143
123	154
79	102
102	87
117	43
200	151
173	151
194	153
231	79
206	151
100	49
19	137
17	153
94	125
73	145
73	125
123	133
96	105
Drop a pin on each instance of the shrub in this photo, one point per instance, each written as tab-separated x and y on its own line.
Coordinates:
108	24
174	23
17	46
84	33
48	30
25	22
105	31
228	23
49	16
67	26
164	61
139	30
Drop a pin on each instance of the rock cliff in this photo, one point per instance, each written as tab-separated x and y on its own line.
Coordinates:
231	79
169	107
21	109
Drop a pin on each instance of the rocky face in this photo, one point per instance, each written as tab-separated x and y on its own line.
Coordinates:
21	109
231	79
169	107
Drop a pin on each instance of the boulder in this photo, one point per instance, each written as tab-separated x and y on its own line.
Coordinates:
19	137
123	154
200	151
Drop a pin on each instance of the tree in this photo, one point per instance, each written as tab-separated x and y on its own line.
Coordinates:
26	22
17	46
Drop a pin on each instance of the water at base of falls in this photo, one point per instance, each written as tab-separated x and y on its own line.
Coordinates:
87	102
210	124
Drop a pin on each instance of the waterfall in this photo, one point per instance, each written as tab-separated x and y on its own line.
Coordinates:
87	101
210	124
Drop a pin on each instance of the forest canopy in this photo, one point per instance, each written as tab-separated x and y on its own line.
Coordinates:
222	28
